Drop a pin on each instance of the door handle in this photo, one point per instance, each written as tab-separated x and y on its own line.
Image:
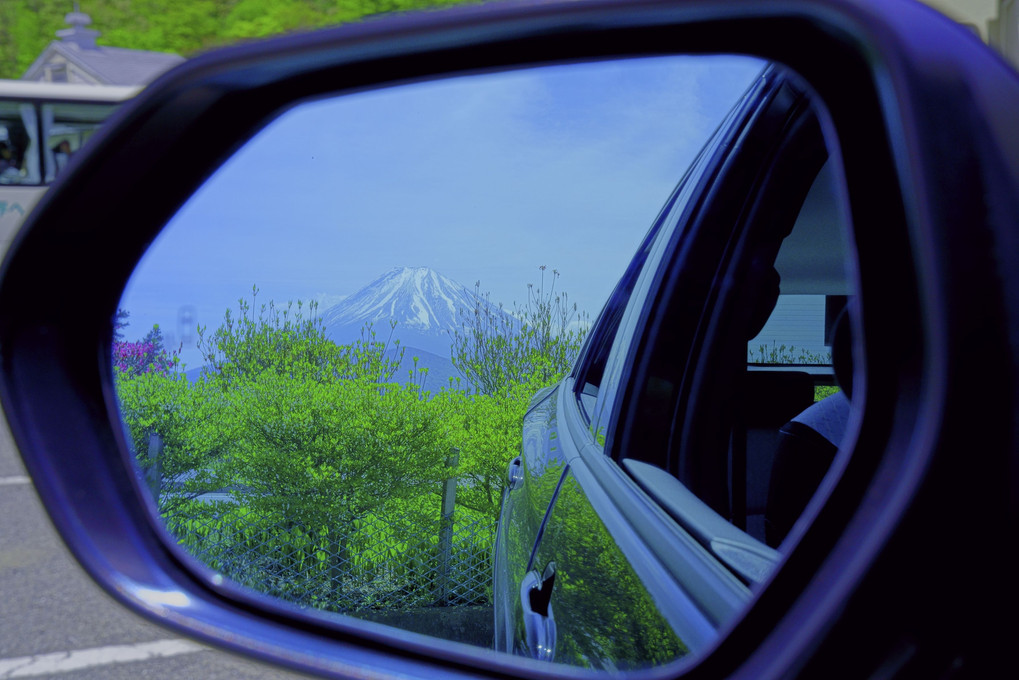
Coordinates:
515	473
539	621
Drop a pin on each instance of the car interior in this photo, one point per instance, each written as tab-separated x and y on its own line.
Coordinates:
790	429
762	402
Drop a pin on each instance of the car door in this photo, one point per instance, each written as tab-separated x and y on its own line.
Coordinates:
537	475
632	511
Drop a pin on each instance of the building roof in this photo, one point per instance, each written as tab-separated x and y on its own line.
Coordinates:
109	65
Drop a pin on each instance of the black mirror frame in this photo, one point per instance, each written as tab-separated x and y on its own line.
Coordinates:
900	109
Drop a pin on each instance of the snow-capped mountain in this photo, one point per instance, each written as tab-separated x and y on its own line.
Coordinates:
425	305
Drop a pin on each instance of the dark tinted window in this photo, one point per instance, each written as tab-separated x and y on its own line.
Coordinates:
718	420
608	346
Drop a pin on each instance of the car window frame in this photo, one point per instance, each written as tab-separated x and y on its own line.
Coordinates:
636	491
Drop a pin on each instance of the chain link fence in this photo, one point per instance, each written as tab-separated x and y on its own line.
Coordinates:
378	562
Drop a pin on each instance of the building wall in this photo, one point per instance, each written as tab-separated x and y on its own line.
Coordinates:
1004	31
59	69
997	22
795	327
975	13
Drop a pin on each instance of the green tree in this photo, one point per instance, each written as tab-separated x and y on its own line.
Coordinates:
292	342
193	428
259	18
120	322
321	435
536	344
507	358
26	28
181	26
486	430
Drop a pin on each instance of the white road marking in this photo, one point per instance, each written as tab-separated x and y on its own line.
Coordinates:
66	662
17	479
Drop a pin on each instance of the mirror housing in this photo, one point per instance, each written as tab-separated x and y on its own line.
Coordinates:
907	93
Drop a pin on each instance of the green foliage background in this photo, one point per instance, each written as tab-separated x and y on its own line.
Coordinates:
185	27
311	472
320	455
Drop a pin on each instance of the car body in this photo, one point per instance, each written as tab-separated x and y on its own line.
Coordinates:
573	499
890	570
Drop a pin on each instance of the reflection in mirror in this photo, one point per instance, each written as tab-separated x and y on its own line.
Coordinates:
329	356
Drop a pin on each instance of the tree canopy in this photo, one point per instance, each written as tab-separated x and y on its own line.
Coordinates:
184	27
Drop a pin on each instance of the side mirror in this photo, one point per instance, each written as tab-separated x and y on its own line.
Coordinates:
932	216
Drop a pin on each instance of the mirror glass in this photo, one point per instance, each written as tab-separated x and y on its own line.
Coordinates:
325	362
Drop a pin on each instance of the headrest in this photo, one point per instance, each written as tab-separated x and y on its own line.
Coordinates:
766	289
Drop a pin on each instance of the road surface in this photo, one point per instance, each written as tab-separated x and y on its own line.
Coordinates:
55	623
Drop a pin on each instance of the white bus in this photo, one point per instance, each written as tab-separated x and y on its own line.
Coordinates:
42	125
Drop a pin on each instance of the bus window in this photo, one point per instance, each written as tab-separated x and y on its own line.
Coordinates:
17	130
68	127
42	127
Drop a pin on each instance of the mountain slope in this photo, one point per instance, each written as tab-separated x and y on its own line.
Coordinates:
424	304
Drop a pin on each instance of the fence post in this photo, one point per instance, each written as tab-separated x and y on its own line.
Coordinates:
446	527
154	473
338	559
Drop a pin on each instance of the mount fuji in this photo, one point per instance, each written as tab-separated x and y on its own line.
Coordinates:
426	307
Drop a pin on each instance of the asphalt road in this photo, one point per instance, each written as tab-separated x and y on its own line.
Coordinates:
55	623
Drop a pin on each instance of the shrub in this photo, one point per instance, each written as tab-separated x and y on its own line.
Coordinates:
535	345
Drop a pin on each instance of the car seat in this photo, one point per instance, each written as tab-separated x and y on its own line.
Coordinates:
808	443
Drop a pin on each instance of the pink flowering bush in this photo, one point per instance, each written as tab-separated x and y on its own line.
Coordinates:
135	358
147	355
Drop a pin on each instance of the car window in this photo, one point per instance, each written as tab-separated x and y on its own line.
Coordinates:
609	349
729	440
604	335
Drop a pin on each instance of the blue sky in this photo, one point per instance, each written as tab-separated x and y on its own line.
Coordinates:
483	178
